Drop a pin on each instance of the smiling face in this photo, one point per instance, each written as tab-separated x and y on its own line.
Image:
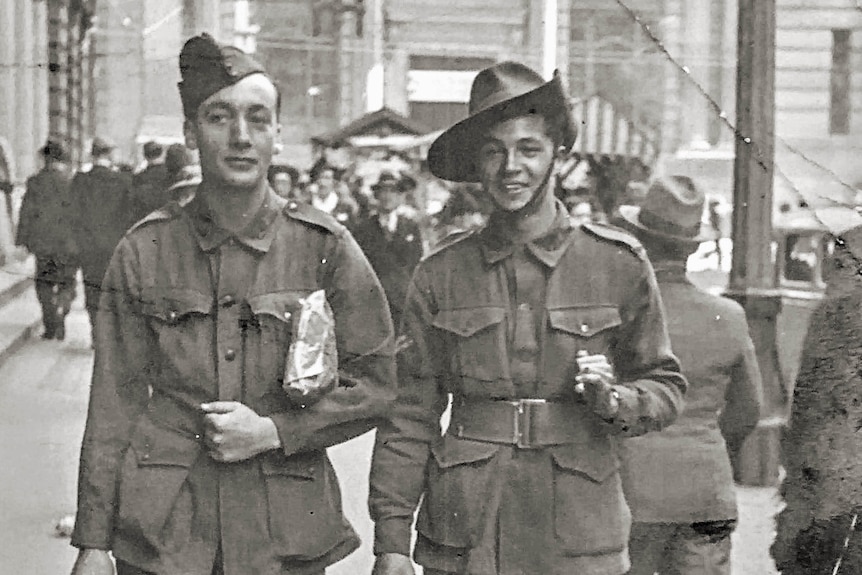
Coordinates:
235	132
514	159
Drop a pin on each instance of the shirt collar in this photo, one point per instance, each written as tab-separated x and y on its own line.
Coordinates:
257	235
548	249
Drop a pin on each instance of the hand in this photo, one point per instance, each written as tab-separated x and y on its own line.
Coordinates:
93	562
393	564
595	381
234	432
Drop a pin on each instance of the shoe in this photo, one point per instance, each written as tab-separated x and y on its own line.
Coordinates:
60	332
48	334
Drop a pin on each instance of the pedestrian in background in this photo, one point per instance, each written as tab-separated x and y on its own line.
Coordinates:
183	174
101	213
550	339
150	185
679	482
391	241
195	460
44	228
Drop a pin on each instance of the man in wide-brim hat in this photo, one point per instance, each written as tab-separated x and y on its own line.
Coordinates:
679	483
550	338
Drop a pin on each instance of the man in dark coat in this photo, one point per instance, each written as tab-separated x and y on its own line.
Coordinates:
819	531
550	338
44	228
195	460
391	241
101	214
150	185
679	482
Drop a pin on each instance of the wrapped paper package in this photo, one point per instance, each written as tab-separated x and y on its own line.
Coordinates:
312	359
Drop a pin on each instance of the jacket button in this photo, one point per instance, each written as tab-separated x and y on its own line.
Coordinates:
145	457
291	206
585	328
287	315
172	316
230	355
227	300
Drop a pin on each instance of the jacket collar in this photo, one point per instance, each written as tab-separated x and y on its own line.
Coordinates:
548	249
673	272
257	235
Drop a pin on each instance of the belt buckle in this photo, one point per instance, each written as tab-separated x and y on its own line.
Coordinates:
523	422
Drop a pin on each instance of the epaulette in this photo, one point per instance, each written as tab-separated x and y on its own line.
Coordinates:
449	241
167	212
615	235
310	215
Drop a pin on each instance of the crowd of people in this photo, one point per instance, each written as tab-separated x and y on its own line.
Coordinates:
598	399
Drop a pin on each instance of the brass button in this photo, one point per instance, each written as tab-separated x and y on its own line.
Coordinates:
585	328
227	300
172	316
197	436
230	355
145	456
291	206
287	315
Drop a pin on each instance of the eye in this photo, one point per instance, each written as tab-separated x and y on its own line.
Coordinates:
531	151
217	117
260	118
490	151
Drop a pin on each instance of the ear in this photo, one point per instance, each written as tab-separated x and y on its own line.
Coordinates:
190	134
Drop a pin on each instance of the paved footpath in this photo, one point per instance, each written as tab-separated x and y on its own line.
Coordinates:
44	387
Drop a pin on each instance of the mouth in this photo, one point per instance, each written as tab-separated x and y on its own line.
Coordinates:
240	163
514	187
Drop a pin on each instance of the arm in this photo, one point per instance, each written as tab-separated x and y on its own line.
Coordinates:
119	393
403	443
365	340
650	386
744	396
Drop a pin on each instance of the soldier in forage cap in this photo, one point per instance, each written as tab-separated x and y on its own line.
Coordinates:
194	460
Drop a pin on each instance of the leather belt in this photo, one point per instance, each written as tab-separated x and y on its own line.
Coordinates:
524	423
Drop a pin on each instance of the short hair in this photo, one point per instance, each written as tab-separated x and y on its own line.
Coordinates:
276	169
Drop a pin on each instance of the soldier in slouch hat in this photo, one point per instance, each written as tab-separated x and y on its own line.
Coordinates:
550	338
194	460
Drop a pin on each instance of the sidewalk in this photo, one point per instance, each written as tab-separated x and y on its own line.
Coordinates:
19	309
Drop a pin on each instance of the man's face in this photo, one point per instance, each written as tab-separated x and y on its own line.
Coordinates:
325	183
388	198
283	184
235	132
514	160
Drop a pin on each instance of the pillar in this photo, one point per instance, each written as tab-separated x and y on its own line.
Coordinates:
697	53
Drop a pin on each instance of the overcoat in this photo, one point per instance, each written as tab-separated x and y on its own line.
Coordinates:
191	314
822	446
489	322
45	219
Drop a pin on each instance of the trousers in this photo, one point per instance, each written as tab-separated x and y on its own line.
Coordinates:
681	549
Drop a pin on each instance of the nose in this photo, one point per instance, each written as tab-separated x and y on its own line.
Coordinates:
512	164
240	137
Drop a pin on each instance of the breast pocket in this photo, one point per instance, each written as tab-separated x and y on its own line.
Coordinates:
174	314
589	328
274	315
479	341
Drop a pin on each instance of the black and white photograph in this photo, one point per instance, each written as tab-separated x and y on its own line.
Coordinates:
431	287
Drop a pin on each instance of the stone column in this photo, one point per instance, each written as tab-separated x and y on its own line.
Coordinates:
670	36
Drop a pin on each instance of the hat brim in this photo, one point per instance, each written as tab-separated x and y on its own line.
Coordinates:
453	155
631	215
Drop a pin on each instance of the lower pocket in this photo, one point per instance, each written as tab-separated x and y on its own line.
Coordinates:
460	482
590	512
304	505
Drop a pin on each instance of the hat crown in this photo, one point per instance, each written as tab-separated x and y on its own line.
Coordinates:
674	200
501	82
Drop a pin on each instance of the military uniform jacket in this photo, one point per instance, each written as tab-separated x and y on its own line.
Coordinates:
683	474
477	333
192	314
44	222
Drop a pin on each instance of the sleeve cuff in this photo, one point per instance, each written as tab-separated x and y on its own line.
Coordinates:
392	536
286	426
628	413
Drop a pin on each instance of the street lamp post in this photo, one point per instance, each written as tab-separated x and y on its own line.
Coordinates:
752	280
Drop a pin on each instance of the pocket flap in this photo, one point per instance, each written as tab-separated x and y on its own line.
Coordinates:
466	322
154	445
585	321
597	464
172	304
280	305
453	451
303	466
